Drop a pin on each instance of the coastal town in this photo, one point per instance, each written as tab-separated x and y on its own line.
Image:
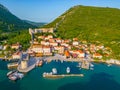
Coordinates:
44	42
45	46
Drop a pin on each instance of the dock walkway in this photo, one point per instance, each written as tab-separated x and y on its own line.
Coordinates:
62	75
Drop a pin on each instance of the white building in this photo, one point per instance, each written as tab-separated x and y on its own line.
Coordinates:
17	55
47	50
37	48
60	49
75	43
54	44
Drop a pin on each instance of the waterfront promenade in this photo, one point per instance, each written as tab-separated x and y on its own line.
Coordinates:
61	58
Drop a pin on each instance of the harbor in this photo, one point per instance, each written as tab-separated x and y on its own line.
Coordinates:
101	72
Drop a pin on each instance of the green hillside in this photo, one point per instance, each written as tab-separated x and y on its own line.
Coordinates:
91	24
37	24
9	22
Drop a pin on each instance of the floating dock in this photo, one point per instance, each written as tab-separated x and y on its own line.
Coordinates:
62	75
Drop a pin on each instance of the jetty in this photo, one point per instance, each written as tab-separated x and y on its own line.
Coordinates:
62	75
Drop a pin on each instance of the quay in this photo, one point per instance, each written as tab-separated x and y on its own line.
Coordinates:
62	75
61	58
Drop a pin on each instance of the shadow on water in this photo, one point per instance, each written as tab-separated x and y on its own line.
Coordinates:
3	65
9	85
99	81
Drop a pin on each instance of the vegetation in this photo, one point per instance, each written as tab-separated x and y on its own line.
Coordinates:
9	22
93	24
37	24
22	37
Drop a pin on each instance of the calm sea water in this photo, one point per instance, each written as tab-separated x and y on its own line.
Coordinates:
101	78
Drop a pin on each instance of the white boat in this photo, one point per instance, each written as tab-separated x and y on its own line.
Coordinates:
19	75
54	71
10	65
91	65
91	68
79	65
12	77
109	65
68	70
11	72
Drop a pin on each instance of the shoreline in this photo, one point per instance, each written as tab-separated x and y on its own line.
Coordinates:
111	61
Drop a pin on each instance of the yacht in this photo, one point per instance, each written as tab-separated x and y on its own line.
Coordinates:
68	70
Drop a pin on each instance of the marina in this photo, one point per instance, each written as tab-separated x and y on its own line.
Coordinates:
101	72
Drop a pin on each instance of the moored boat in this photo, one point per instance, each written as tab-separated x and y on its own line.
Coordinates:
68	70
54	71
40	63
79	65
11	72
11	65
12	77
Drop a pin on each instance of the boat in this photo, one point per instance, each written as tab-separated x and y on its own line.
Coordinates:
91	68
109	65
11	72
12	77
40	63
46	74
11	65
91	65
68	70
79	65
19	75
37	63
54	71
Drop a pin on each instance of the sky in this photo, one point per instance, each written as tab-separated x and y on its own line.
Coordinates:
48	10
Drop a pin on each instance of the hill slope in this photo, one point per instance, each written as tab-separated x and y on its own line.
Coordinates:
91	24
37	24
9	22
